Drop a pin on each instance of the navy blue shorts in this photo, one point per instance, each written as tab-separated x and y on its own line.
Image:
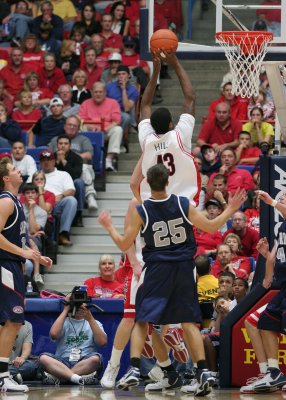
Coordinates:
168	294
71	364
273	317
12	292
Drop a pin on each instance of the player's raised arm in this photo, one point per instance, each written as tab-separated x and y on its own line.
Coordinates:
126	240
187	88
148	95
210	226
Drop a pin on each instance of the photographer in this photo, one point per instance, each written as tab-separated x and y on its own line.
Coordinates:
76	358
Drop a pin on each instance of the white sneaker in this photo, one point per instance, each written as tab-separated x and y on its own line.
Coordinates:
7	384
191	388
92	203
156	373
248	388
38	278
109	377
108	165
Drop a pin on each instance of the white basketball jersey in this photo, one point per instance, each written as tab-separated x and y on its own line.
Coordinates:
170	150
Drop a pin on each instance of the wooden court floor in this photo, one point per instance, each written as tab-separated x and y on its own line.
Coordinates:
97	393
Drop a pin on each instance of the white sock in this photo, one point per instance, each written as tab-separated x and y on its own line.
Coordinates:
263	367
115	357
75	378
195	365
273	363
164	364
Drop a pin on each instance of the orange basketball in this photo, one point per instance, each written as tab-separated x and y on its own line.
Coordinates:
163	39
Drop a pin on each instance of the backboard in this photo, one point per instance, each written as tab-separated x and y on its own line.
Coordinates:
197	37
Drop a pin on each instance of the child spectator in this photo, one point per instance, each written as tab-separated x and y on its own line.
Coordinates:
204	177
211	160
240	265
246	152
225	283
261	101
260	130
207	283
240	288
25	163
40	96
253	213
36	219
26	114
214	208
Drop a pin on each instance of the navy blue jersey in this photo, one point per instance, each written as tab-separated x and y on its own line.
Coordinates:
280	264
167	232
14	229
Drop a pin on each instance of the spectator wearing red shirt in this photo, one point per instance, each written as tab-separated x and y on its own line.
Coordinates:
104	285
90	67
112	41
14	74
4	99
241	264
238	105
167	13
235	177
249	237
33	55
130	57
26	112
246	153
221	131
97	42
225	262
51	77
208	241
41	96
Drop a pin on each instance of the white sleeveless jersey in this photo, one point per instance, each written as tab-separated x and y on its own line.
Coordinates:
173	149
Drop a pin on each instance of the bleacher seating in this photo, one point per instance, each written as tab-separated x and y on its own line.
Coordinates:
97	140
249	168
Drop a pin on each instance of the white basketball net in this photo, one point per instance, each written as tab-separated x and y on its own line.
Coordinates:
245	52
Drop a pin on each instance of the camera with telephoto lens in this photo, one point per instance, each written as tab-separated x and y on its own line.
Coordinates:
78	298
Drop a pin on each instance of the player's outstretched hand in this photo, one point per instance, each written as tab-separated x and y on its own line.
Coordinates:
105	219
237	199
263	247
46	262
168	57
264	196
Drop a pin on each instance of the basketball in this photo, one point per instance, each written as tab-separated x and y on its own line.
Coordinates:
163	39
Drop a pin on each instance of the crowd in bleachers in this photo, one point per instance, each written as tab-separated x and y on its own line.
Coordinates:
70	82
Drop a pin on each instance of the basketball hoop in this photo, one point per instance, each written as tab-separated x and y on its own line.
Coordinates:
245	51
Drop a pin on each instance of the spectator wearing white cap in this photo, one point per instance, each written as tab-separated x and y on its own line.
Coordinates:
65	94
48	127
61	184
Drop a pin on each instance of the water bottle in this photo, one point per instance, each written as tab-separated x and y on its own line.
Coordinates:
29	288
6	29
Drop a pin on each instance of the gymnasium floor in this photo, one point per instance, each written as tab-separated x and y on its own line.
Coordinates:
96	393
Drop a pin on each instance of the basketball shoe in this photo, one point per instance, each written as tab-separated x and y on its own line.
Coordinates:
130	379
7	384
174	339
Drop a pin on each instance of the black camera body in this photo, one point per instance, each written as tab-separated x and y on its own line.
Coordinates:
78	298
